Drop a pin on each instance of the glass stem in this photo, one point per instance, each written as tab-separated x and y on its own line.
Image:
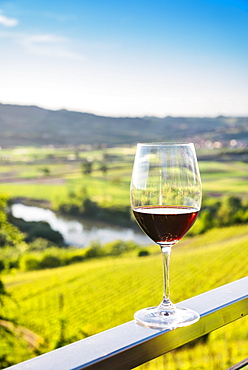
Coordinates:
166	305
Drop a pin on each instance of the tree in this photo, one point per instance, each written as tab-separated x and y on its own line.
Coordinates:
9	234
86	167
228	209
45	171
103	168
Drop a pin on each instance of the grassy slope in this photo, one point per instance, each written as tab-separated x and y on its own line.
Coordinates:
99	294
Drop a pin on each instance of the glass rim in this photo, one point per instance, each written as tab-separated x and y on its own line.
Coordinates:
165	144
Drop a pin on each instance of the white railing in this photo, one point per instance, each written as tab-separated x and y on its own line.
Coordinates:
129	345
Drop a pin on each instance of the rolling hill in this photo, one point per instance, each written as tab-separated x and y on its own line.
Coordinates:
32	125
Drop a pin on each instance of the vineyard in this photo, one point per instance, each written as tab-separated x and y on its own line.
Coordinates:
57	306
70	303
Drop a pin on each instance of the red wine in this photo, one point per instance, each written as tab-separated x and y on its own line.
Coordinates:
165	224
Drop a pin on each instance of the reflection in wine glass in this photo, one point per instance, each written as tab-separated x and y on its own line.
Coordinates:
165	199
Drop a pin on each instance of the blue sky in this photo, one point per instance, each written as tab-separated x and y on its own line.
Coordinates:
126	58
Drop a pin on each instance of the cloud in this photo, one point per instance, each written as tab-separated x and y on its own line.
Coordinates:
42	39
43	44
7	22
50	45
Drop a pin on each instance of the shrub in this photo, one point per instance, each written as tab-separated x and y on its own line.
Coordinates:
143	253
39	244
3	238
131	245
50	261
95	250
12	263
115	248
2	265
29	262
74	259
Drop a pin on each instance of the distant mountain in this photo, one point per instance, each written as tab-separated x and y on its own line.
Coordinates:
31	125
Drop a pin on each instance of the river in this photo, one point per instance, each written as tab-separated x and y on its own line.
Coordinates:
76	232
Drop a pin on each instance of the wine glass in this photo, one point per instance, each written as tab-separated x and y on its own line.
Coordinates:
165	199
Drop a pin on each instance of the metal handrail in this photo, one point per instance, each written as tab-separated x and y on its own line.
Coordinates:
129	345
240	365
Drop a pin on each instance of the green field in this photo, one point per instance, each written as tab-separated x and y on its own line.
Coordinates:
22	174
92	296
229	178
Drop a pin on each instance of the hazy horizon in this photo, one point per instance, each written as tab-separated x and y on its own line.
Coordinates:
124	116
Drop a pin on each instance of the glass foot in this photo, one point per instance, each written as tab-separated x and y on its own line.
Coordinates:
152	317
